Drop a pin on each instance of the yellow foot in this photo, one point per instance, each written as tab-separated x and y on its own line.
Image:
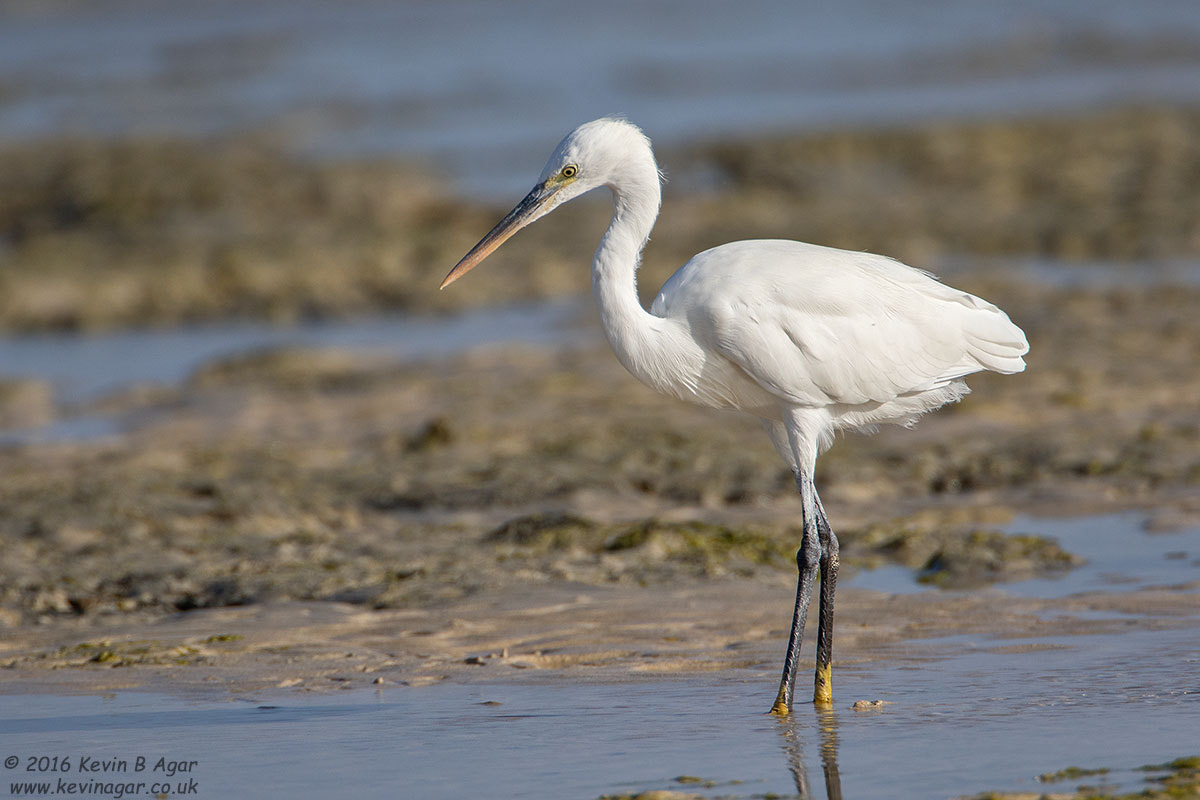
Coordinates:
823	690
780	709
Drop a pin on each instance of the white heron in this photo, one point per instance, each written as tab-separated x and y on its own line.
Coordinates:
809	339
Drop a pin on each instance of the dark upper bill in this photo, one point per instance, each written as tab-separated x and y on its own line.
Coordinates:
532	207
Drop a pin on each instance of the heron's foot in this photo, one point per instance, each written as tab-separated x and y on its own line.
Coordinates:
823	688
781	707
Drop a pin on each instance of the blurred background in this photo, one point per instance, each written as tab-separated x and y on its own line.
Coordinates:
190	140
476	90
166	165
180	184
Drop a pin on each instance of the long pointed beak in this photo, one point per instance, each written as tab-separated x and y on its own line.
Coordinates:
535	205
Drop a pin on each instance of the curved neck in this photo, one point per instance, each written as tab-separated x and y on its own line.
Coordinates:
627	325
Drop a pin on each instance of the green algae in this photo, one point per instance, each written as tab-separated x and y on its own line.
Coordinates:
1178	779
1071	773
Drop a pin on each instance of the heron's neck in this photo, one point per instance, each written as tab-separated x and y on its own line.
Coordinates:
627	325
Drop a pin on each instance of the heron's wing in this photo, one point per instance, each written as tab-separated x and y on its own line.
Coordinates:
817	326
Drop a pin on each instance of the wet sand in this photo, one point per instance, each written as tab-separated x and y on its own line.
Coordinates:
315	519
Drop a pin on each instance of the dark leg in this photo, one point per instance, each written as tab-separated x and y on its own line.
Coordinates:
823	684
829	753
808	560
794	751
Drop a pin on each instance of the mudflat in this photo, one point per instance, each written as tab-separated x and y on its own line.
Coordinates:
323	518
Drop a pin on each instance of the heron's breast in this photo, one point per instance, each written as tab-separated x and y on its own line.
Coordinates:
677	364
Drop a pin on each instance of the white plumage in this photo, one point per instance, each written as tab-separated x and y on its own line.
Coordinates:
822	328
810	339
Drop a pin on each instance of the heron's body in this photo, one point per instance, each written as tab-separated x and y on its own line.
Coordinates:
809	339
770	323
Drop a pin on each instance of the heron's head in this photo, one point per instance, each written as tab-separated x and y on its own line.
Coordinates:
605	152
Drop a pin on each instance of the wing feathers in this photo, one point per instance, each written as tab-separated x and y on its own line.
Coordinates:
816	326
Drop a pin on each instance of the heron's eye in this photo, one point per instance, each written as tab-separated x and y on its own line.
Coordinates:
569	171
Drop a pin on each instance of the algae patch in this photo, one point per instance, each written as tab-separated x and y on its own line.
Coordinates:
941	555
644	548
1071	773
950	558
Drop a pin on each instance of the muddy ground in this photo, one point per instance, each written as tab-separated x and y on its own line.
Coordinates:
101	235
319	519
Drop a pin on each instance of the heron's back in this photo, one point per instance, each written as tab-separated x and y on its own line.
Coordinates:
865	336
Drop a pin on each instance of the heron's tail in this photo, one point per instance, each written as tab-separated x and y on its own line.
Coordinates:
994	341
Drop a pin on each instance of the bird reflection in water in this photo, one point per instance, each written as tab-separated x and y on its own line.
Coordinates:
791	730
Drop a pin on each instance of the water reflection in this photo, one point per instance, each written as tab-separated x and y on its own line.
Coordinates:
792	729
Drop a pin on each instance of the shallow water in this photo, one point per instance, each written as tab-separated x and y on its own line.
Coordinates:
482	92
88	367
1121	557
964	714
971	721
85	367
